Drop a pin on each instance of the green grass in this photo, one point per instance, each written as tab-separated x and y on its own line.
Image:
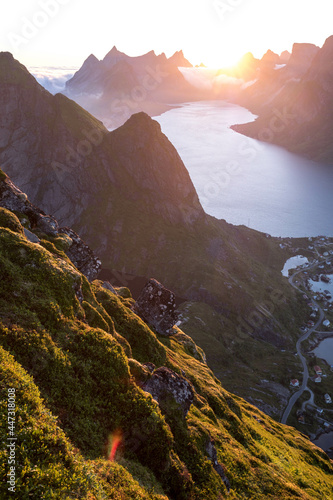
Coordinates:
77	368
240	360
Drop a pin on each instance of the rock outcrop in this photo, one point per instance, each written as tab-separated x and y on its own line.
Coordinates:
12	198
168	388
81	254
212	453
156	306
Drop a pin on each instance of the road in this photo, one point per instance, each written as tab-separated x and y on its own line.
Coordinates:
306	335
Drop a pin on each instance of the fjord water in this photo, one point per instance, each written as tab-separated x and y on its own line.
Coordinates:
245	181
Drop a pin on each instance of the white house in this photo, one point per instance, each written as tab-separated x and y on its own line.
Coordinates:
328	399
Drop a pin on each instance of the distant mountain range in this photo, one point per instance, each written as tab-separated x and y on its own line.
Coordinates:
295	103
291	93
119	85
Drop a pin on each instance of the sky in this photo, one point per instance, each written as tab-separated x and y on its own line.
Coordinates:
63	33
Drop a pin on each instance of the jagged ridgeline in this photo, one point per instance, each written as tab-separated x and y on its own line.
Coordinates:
84	367
295	103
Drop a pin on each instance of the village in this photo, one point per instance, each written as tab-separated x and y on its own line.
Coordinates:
310	405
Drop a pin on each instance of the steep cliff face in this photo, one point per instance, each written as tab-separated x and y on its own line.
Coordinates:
301	58
36	129
298	115
159	177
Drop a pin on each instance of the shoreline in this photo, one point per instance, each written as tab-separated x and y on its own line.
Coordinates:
318	338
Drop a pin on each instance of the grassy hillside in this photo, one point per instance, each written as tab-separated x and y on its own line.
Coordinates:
74	352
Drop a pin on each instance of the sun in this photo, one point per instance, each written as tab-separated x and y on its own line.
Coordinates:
225	58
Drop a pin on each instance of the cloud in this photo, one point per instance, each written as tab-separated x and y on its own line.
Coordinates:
52	79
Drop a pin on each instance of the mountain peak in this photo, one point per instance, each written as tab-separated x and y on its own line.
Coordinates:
13	72
114	54
328	45
91	59
114	50
180	60
6	56
143	122
302	56
167	180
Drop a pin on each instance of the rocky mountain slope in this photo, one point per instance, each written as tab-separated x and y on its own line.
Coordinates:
295	103
273	74
104	407
119	85
128	194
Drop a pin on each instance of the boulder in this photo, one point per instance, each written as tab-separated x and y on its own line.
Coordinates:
156	306
107	286
48	225
81	255
168	388
31	236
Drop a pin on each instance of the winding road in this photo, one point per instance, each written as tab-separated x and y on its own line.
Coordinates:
306	335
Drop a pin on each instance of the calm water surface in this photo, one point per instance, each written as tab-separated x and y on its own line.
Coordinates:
245	181
325	351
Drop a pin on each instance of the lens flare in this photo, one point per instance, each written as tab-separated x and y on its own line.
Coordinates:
115	440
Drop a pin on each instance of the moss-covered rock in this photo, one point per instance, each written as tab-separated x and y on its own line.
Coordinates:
139	372
3	176
10	221
123	292
94	318
144	344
